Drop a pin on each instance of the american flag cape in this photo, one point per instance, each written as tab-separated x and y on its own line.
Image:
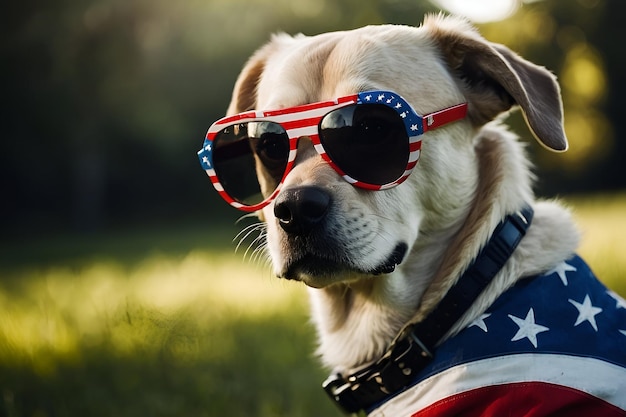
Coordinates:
552	345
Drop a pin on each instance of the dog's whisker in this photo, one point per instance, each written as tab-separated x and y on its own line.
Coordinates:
257	245
245	216
260	254
247	232
260	257
260	244
260	250
249	251
250	246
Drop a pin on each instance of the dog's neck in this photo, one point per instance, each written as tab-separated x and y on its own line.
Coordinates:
356	322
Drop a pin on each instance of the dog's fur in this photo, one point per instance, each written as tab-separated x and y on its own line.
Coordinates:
472	173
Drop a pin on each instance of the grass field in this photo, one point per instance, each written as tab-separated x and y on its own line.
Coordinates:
173	323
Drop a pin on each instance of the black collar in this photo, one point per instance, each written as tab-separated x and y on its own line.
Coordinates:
414	348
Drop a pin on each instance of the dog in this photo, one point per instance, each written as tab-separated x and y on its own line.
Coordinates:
387	183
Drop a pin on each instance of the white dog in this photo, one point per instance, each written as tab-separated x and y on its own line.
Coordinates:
438	287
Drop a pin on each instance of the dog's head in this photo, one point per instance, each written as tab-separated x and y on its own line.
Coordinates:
323	230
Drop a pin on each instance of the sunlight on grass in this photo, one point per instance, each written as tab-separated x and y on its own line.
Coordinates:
204	334
53	309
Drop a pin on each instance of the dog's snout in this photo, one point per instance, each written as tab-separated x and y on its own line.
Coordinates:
300	209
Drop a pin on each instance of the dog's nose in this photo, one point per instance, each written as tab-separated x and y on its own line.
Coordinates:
300	209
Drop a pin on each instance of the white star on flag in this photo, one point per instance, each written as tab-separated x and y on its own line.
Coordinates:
561	269
586	312
528	329
480	322
619	301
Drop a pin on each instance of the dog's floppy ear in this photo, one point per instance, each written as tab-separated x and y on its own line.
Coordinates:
495	78
245	91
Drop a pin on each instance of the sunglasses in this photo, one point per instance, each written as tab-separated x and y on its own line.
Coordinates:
372	139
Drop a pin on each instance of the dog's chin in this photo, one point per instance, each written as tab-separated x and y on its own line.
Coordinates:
320	271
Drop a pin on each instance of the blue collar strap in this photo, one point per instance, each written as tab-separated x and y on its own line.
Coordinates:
415	348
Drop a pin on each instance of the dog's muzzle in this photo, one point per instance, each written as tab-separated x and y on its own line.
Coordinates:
317	246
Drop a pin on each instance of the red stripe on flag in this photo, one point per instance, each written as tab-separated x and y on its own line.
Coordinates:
522	399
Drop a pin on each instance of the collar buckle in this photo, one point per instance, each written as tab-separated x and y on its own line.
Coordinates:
394	371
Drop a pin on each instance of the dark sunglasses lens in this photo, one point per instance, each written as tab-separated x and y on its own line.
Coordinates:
250	160
368	142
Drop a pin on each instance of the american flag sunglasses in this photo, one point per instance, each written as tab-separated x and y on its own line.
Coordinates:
372	139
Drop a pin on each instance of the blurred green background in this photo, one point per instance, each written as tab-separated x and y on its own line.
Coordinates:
120	292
